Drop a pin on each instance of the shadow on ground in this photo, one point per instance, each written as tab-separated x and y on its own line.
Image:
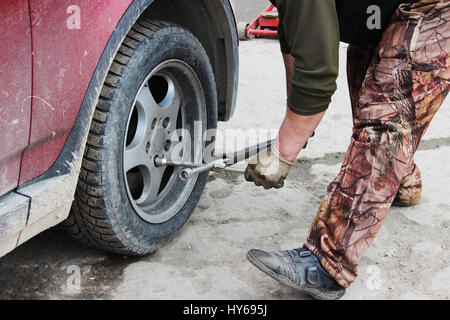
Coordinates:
47	266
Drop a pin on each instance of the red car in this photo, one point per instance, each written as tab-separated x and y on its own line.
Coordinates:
91	93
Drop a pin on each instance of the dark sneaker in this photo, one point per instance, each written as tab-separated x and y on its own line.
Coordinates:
407	197
299	269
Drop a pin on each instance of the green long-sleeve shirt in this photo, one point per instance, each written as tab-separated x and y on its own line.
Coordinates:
310	30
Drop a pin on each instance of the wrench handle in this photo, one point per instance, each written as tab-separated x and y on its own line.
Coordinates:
249	152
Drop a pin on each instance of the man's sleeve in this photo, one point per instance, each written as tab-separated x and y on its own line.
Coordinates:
311	30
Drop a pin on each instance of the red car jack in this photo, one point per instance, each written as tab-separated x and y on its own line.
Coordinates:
264	26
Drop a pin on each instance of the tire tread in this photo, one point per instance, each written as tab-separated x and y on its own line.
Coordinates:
88	221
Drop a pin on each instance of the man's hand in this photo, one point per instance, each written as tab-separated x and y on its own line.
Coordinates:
268	169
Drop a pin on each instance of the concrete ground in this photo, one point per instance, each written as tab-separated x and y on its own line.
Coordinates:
409	259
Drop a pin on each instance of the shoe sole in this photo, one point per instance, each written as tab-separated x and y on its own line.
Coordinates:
315	293
402	205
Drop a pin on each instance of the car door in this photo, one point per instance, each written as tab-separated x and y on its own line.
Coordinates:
15	89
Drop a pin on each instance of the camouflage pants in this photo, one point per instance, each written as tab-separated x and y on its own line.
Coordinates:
396	90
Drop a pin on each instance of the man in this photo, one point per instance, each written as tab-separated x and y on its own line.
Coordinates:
398	79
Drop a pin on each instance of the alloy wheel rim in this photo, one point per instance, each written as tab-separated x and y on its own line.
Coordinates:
166	108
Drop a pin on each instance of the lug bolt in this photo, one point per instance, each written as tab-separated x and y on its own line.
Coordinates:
166	123
154	122
167	145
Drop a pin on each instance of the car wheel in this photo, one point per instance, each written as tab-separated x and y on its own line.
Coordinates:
158	96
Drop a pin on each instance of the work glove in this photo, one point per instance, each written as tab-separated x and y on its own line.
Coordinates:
268	169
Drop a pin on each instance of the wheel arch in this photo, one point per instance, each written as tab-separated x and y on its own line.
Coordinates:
221	44
213	23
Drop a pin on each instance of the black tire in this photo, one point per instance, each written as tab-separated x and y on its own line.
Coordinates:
104	213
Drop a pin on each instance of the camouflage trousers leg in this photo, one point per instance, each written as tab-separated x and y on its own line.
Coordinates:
358	61
404	85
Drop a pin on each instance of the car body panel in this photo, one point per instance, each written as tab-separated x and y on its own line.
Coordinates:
68	40
15	89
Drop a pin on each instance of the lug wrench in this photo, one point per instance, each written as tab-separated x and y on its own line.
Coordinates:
221	164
